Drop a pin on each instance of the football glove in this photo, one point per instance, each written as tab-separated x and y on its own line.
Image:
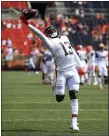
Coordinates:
81	71
23	18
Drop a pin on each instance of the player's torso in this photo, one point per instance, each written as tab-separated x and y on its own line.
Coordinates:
91	57
101	57
62	52
81	54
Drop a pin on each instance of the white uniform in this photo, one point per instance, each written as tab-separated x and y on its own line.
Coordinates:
91	67
83	58
91	62
66	61
102	62
33	58
48	66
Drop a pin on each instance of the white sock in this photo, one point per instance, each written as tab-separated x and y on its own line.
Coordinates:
89	80
99	80
74	121
74	106
74	109
95	79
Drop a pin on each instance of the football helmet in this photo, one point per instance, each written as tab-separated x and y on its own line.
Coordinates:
51	32
79	47
101	46
89	48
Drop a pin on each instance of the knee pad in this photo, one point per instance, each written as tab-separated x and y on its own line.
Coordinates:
59	98
73	94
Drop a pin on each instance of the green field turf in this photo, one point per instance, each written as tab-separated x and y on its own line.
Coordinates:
30	109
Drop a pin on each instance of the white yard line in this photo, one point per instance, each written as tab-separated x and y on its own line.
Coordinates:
86	102
48	119
14	110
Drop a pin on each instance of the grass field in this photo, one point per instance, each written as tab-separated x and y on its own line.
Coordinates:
30	109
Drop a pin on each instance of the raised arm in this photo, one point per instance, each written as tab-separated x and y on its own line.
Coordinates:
44	39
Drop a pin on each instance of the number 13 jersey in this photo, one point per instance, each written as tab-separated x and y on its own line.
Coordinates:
64	55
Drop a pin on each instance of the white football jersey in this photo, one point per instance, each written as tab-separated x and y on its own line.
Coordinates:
102	58
91	57
82	55
64	55
48	57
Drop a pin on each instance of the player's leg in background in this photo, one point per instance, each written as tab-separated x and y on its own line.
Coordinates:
89	76
105	74
86	77
44	73
100	77
94	78
86	73
29	67
50	71
73	87
35	62
32	64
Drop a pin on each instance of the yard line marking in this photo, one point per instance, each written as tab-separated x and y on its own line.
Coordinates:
48	119
7	110
87	102
42	92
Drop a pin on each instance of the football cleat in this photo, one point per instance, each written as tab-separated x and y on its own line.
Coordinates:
95	83
101	87
74	127
36	72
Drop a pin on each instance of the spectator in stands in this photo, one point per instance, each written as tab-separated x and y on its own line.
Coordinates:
99	19
102	63
19	25
9	54
9	42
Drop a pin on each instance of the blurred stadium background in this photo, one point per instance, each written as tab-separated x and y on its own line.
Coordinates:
85	23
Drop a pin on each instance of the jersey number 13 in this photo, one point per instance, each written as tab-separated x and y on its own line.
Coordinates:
67	48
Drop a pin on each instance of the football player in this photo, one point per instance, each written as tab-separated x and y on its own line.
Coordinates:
82	55
102	63
91	65
66	61
48	67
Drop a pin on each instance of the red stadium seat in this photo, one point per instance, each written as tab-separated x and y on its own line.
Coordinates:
18	36
14	4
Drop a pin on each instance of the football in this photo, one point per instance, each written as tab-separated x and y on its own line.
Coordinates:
29	13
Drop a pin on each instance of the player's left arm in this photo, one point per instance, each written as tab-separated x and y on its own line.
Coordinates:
44	39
